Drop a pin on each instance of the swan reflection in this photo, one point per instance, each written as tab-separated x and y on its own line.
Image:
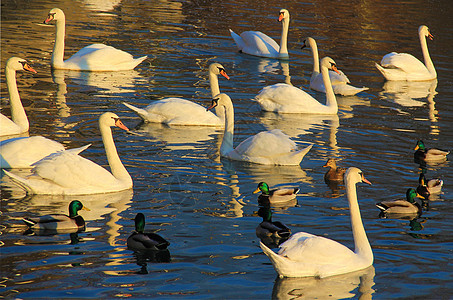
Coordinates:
405	93
335	287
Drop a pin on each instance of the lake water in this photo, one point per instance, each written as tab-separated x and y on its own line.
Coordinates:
203	204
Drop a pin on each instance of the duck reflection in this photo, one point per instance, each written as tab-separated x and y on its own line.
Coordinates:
335	287
271	233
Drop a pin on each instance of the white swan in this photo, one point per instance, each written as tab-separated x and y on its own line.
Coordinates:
285	98
22	152
66	173
258	44
267	147
178	111
404	66
339	80
18	122
306	255
96	57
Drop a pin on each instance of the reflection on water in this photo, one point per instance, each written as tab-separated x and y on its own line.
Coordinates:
405	93
336	287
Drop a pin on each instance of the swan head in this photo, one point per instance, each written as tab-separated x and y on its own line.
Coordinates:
220	100
54	14
283	15
18	64
329	63
110	119
424	30
74	207
355	175
308	42
140	223
263	187
218	69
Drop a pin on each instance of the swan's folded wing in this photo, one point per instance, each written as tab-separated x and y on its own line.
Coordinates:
258	43
266	143
404	61
100	54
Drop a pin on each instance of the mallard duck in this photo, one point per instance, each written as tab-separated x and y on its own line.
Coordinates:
408	206
428	154
269	228
428	187
276	195
140	240
59	222
334	173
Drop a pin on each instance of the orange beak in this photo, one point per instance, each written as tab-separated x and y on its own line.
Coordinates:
334	68
431	37
120	124
280	17
224	74
365	180
48	19
28	68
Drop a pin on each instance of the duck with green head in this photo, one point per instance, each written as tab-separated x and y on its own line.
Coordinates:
60	222
428	154
276	195
271	228
141	240
402	206
427	187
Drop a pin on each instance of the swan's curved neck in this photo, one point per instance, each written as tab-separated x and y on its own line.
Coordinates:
283	52
215	90
331	100
58	48
314	52
362	245
116	166
227	142
18	114
428	62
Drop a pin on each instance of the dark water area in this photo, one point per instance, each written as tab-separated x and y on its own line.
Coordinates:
203	204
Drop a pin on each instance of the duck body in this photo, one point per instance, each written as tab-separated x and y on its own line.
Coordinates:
182	112
95	57
285	98
59	222
67	173
268	147
340	82
19	122
428	154
259	44
140	240
307	255
427	187
269	228
404	66
334	173
403	206
275	196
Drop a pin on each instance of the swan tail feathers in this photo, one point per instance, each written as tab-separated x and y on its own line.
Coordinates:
277	261
301	153
140	60
140	112
29	222
78	150
238	40
19	181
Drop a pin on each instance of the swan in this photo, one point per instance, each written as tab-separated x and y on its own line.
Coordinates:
95	57
22	152
18	122
285	98
178	111
59	222
267	147
66	173
141	240
334	173
275	195
306	255
258	44
404	66
339	80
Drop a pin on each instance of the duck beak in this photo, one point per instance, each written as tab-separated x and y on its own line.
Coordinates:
86	208
416	147
256	191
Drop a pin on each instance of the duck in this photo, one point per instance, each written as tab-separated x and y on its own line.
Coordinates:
308	255
269	228
19	122
95	57
178	111
23	152
259	44
404	66
427	187
334	173
428	154
271	147
140	240
59	222
340	82
285	98
67	173
407	206
276	195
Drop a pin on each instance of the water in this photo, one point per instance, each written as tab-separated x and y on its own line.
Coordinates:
202	204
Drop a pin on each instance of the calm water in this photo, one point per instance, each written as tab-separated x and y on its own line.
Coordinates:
202	204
